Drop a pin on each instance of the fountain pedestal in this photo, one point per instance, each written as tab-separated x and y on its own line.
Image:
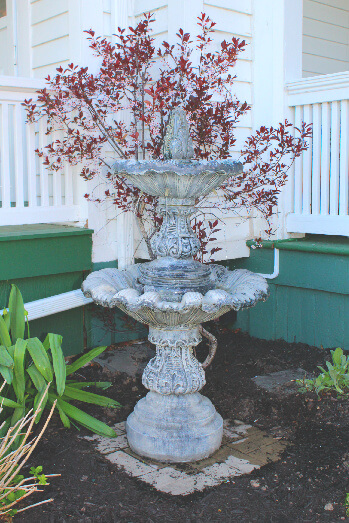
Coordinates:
174	423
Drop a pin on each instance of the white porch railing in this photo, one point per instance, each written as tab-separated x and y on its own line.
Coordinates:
320	188
29	193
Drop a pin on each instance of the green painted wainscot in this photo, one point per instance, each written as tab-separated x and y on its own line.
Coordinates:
44	260
309	300
48	259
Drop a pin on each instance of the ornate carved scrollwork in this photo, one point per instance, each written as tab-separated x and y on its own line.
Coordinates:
174	369
176	237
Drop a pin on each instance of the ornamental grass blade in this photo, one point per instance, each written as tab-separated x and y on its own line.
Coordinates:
5	425
84	384
5	402
36	377
6	373
42	396
17	313
64	417
40	358
19	356
84	359
5	358
7	318
58	361
89	397
5	337
86	420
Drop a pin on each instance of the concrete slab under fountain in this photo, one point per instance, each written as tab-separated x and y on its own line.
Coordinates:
244	448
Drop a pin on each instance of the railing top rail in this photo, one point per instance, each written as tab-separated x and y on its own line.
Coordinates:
319	89
19	83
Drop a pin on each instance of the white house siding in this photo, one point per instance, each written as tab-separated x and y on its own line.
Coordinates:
5	66
325	37
108	30
234	18
50	36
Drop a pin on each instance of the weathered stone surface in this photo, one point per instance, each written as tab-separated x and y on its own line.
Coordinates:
174	294
174	428
234	458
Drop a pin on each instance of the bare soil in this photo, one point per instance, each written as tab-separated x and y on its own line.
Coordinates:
312	474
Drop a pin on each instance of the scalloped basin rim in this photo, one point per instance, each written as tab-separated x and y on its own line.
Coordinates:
178	167
236	290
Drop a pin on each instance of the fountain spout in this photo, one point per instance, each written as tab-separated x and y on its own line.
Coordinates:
178	144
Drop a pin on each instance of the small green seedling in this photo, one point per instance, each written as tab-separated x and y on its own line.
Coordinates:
334	378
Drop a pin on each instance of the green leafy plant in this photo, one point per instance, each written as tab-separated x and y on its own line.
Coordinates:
334	378
14	487
28	366
346	504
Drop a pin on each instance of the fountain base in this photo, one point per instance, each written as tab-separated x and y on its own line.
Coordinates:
174	428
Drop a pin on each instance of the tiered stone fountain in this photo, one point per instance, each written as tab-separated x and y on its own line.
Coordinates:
174	295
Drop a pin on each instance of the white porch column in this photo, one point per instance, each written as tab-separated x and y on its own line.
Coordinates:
277	59
121	11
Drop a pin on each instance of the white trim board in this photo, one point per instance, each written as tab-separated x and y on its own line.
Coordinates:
317	224
318	89
55	304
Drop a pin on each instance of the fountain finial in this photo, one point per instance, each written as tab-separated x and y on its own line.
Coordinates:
178	144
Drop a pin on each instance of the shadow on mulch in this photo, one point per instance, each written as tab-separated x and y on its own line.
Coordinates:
313	472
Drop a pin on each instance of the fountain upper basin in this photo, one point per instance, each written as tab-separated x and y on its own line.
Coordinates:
177	178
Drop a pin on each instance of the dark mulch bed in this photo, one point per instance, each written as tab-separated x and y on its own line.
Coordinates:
313	471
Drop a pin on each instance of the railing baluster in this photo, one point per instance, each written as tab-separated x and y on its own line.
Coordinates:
315	185
344	160
36	195
5	158
68	185
44	200
298	174
325	158
289	189
57	182
334	177
30	132
307	165
18	155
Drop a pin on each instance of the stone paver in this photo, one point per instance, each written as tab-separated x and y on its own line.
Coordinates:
130	359
131	465
282	382
232	466
244	448
109	445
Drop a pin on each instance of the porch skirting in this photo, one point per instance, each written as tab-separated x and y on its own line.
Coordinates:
309	300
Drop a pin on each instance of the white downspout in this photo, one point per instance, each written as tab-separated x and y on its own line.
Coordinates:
15	37
275	274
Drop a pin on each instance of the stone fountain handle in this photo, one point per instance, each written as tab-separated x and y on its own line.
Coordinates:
212	347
